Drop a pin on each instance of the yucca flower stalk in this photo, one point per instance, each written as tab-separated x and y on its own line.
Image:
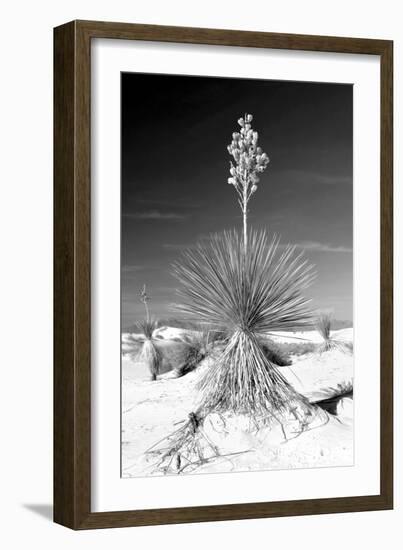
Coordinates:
249	161
323	326
145	298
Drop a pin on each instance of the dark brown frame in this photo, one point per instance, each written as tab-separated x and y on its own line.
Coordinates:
72	320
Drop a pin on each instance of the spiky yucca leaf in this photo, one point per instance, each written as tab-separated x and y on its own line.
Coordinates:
323	325
249	293
244	381
150	353
147	327
261	291
152	357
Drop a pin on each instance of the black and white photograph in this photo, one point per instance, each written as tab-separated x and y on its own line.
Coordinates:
200	272
236	275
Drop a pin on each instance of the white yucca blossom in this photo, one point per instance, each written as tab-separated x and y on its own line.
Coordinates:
249	161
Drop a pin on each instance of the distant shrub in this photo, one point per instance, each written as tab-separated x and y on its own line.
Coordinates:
173	353
298	348
152	357
343	389
150	353
177	322
280	353
199	343
349	346
323	326
191	360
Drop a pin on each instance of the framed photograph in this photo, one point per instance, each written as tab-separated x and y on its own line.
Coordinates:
222	275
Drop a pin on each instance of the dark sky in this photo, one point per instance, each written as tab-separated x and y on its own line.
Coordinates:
175	132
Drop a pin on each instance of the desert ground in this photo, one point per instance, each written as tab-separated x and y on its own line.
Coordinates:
153	409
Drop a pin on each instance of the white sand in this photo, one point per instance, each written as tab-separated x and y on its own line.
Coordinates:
321	376
151	410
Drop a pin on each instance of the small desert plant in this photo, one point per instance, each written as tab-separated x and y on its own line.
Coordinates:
344	389
199	344
147	328
323	326
150	354
298	348
204	336
192	356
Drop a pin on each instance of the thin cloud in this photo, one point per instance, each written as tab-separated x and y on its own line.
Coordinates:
203	237
155	215
314	246
318	178
177	246
134	268
334	180
177	203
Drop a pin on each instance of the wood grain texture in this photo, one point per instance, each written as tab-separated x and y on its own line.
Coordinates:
386	282
72	320
220	37
72	269
64	377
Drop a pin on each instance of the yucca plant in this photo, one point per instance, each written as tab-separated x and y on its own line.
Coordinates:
251	294
323	326
248	284
150	354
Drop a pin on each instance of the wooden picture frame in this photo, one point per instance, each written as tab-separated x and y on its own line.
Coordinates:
72	269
